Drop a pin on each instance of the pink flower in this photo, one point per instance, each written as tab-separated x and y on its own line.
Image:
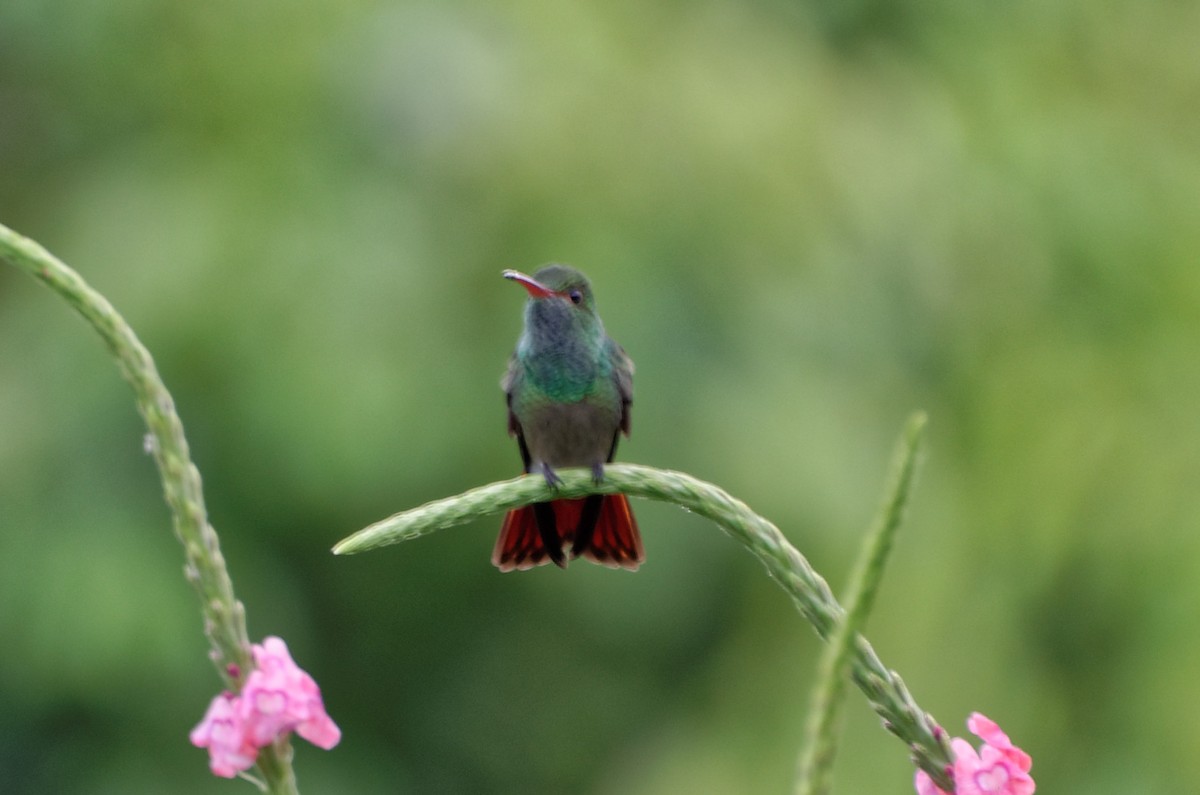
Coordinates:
999	768
222	733
278	697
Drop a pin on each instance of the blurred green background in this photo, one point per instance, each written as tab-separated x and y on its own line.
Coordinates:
802	220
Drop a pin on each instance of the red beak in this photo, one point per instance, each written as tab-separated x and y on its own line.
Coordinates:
536	289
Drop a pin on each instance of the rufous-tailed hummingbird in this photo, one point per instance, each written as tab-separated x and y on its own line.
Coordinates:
569	387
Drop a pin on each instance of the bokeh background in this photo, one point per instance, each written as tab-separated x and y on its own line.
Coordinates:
803	220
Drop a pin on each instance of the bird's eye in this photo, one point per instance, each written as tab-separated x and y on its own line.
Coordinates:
575	296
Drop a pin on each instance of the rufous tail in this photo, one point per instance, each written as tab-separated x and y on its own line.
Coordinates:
612	541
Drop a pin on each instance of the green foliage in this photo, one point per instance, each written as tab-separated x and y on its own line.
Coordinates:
930	752
800	221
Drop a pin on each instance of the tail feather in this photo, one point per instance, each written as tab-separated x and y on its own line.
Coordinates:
614	542
519	546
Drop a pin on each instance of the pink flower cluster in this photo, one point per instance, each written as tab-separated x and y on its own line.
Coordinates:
999	768
277	697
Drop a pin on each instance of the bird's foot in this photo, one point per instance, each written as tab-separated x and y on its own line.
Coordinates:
597	473
552	478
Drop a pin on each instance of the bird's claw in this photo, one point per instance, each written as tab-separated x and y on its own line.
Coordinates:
553	481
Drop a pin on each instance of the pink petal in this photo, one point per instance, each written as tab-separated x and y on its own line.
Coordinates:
987	730
220	708
993	780
224	735
273	655
321	731
1022	760
925	785
228	763
270	702
965	755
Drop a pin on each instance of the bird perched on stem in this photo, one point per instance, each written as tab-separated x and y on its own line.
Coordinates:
569	387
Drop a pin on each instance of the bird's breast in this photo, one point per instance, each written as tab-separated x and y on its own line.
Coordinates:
567	434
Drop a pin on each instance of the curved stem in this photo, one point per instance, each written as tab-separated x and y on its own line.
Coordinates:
883	687
224	615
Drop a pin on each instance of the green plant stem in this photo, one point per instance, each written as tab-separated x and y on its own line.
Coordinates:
224	616
884	689
816	763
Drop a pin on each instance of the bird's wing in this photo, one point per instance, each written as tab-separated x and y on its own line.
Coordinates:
623	375
508	383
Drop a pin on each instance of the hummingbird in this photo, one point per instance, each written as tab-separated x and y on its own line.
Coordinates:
568	389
